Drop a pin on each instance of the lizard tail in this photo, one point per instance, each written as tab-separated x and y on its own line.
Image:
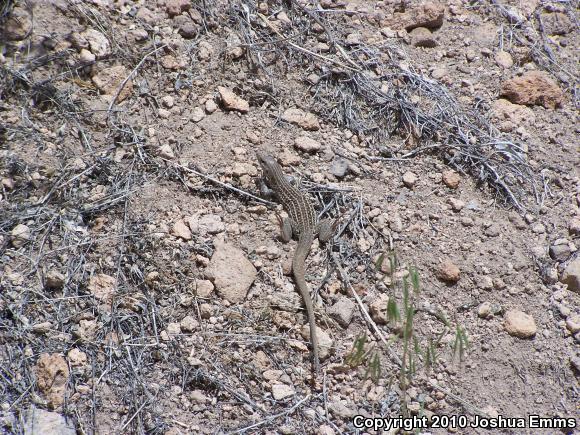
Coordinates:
298	271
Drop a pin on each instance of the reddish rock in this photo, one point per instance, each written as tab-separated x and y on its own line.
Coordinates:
448	272
176	7
533	88
429	15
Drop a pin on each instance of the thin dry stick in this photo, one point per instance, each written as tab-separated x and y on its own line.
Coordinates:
273	417
219	183
124	82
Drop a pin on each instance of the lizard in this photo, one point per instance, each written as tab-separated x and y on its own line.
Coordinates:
304	224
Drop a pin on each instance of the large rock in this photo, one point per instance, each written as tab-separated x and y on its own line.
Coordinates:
428	14
51	371
556	23
231	272
533	88
231	101
39	421
307	121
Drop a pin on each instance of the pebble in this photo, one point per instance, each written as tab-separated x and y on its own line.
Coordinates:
20	235
307	144
571	275
519	324
573	323
448	272
409	179
197	114
451	179
504	59
181	230
282	391
231	101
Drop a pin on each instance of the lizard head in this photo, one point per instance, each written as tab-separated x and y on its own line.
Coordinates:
269	166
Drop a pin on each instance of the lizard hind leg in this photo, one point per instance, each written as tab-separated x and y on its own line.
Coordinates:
326	229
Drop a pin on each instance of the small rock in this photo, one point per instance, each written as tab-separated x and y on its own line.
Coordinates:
409	179
168	101
54	280
560	250
342	311
456	204
422	37
538	228
210	106
211	224
339	409
282	391
166	152
307	121
231	101
451	179
86	330
533	88
102	287
306	144
20	235
571	275
41	328
176	7
109	79
77	358
163	113
378	309
198	396
181	230
186	28
52	373
173	328
339	167
504	59
38	421
519	324
203	288
438	73
188	324
574	226
448	272
485	283
86	56
197	114
231	272
573	323
492	231
98	43
484	310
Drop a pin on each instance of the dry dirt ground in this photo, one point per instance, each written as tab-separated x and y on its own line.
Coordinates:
143	288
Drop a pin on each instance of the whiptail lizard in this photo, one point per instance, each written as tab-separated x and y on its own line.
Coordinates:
304	224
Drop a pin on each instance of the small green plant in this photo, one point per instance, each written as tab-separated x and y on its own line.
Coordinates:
417	352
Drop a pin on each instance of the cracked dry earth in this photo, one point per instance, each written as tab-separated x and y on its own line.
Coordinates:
138	296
